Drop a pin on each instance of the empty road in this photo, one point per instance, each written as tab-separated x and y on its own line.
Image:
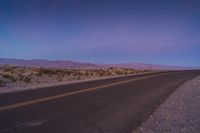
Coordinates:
116	105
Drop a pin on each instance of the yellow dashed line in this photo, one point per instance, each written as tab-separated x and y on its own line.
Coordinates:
21	104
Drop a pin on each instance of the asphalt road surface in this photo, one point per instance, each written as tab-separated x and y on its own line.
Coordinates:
116	105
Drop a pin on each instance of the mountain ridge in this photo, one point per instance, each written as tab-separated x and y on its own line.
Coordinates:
84	65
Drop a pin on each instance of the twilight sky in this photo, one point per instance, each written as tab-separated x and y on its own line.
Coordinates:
102	31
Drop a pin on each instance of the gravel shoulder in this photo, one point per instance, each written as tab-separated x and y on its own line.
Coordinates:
180	113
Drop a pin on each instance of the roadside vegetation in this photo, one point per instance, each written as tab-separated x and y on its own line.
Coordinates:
27	76
2	83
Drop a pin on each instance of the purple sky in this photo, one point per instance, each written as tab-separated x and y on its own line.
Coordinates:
102	31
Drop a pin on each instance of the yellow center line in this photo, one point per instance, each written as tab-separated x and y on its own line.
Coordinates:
22	104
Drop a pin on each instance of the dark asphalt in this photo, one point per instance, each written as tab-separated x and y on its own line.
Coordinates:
114	109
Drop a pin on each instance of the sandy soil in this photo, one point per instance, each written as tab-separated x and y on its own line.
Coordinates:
22	78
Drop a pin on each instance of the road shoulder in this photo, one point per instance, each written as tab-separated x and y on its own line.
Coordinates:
180	113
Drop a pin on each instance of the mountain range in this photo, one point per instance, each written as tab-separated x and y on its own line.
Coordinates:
84	65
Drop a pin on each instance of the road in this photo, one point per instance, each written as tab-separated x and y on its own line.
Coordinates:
116	105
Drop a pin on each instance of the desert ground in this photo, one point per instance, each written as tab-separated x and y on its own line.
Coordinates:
13	78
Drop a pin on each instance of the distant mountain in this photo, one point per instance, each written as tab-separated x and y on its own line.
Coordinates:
46	63
84	65
149	66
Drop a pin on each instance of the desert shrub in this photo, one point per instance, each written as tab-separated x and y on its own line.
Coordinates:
78	77
42	71
87	73
21	77
118	72
125	73
7	76
7	69
27	79
59	71
78	73
132	72
92	74
108	73
12	71
137	71
148	70
62	73
145	71
2	83
38	74
46	71
68	72
14	79
111	68
101	73
75	73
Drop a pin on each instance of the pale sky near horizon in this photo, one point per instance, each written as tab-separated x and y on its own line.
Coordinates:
102	31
